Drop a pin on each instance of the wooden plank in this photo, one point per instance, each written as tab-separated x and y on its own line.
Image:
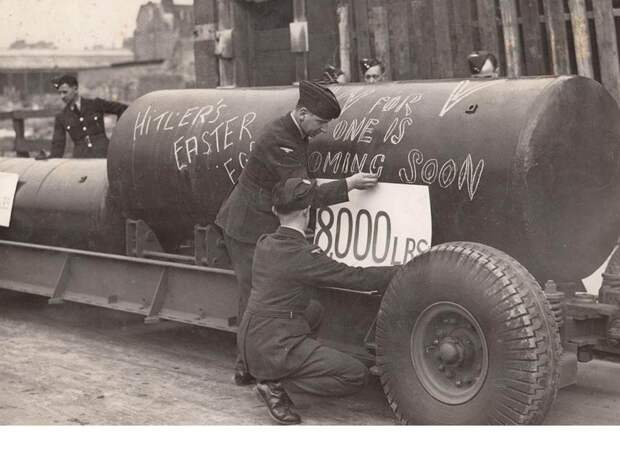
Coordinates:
225	21
23	146
301	59
488	28
7	145
378	20
398	14
362	36
532	38
269	40
344	40
27	114
205	61
462	37
512	45
19	128
443	41
581	36
241	48
607	46
422	39
556	31
251	48
322	16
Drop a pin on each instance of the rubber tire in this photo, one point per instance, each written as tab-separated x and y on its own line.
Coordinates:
522	336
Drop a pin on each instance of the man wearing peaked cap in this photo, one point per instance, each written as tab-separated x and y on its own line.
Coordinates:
373	70
318	100
483	64
274	336
281	152
83	119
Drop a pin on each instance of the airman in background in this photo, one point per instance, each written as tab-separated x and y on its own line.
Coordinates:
483	64
373	70
83	119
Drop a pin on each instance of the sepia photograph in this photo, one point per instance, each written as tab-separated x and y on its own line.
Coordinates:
309	212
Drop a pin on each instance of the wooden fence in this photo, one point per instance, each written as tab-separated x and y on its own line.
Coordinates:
20	144
422	39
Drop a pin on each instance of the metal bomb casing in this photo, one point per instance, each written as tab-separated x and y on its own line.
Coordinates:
529	166
63	203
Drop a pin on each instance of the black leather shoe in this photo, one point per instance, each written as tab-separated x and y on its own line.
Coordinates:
243	377
279	404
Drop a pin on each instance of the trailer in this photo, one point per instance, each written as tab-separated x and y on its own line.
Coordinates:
497	197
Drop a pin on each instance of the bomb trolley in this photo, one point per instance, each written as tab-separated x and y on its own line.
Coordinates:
465	333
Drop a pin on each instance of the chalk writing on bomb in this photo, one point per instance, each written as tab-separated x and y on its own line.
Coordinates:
206	131
464	174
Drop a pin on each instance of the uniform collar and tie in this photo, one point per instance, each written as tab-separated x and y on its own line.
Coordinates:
76	106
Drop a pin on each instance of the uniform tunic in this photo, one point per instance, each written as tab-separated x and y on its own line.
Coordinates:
280	153
274	338
85	127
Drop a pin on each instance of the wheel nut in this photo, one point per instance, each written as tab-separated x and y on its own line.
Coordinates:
436	342
458	383
441	367
449	374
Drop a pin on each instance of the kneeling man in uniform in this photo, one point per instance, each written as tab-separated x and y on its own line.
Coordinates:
274	337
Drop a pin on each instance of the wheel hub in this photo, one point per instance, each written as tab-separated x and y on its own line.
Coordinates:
449	352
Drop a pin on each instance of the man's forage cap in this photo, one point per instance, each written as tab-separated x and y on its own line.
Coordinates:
319	100
293	194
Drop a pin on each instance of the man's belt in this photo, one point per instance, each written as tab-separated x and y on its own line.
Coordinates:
286	314
88	139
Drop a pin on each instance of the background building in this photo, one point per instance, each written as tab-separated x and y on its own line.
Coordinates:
164	32
25	73
263	42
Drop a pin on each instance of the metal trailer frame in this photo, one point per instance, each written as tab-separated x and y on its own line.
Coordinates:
198	289
188	289
163	286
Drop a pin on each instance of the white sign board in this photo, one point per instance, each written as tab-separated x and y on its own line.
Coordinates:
386	225
8	185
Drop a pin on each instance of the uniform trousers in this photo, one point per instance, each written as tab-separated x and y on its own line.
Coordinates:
241	255
328	372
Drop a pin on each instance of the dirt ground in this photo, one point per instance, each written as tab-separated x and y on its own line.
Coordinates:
72	364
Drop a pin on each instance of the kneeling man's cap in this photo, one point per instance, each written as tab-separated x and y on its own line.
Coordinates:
319	100
293	194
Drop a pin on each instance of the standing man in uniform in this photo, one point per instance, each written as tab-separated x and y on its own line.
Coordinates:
280	153
82	118
274	337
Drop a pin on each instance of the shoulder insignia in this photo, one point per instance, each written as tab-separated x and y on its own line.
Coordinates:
286	149
316	250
